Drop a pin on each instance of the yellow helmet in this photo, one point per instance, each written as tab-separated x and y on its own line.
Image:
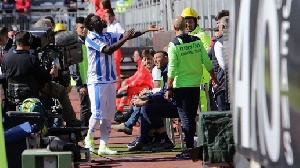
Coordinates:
59	27
189	12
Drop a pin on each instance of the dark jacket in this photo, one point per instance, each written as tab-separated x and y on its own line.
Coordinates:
8	45
219	72
21	67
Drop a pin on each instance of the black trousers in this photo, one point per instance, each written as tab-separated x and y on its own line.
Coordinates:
155	111
187	100
222	104
85	109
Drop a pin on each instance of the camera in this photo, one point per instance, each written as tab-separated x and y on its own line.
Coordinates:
63	45
59	50
42	37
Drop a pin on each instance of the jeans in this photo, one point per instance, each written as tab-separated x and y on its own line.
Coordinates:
133	118
144	124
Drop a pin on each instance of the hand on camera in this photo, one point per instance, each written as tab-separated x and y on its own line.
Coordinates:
54	73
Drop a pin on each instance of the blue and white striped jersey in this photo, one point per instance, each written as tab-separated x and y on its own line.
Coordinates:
101	67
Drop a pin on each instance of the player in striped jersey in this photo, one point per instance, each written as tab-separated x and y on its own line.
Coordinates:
102	76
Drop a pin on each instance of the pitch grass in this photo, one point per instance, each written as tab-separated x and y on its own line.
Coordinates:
123	151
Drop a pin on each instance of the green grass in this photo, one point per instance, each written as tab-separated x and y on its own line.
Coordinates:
123	151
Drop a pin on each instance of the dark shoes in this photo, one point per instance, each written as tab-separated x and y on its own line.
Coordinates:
74	123
137	145
162	145
183	155
122	93
130	144
122	128
119	117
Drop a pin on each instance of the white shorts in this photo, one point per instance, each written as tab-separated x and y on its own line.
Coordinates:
103	100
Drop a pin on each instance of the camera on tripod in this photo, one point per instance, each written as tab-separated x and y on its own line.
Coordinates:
62	45
59	50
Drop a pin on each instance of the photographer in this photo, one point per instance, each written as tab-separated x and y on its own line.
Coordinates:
20	67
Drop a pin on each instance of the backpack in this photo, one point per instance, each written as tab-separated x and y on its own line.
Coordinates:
35	105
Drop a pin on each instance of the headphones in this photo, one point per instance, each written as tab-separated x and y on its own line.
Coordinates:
21	51
30	40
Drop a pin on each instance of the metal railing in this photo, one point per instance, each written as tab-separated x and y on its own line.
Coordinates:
14	19
162	12
139	16
24	21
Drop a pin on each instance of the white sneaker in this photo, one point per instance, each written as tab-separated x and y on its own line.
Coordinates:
104	150
89	143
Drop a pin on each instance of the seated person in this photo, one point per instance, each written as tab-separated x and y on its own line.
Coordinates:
153	108
133	114
19	66
137	57
143	80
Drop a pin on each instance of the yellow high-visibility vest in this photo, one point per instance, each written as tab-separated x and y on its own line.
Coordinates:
121	5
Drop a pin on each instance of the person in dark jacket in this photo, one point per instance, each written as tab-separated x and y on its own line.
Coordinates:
219	63
20	67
